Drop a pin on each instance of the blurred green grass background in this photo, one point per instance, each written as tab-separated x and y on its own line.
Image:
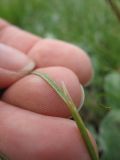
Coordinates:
92	25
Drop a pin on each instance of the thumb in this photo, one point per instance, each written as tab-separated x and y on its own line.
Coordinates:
13	65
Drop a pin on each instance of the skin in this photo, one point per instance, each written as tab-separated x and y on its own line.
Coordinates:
34	121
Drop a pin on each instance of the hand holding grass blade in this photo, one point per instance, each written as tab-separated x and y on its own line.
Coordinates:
63	93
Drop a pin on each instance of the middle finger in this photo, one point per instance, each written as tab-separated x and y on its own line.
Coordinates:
33	93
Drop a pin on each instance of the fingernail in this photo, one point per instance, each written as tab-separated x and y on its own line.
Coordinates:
28	68
82	98
14	60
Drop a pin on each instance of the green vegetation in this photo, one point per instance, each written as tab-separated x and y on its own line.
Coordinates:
92	25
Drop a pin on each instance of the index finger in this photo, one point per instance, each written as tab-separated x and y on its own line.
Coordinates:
49	52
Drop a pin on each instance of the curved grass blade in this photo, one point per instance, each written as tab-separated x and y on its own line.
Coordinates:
63	93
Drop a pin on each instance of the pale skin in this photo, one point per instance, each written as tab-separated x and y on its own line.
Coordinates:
34	121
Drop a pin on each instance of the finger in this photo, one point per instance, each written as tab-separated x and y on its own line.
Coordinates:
57	53
34	94
49	52
26	135
3	24
13	65
16	38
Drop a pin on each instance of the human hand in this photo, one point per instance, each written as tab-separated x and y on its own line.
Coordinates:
33	119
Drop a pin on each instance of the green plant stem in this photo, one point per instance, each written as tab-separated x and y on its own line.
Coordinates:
63	93
84	134
115	8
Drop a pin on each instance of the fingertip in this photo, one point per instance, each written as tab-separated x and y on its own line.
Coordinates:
13	65
50	52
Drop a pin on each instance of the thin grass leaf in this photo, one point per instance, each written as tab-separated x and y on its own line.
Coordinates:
52	83
63	93
105	108
80	124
